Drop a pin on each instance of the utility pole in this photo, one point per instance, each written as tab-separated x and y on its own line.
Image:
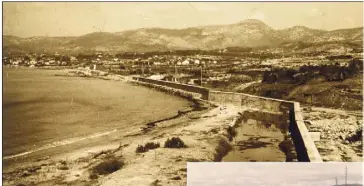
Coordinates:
175	72
336	181
142	69
201	77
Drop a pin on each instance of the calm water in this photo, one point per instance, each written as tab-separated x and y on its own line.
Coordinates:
255	142
41	109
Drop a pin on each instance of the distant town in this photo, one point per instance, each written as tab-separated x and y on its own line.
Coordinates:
216	68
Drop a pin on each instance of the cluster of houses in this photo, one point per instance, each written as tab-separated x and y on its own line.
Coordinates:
33	60
174	60
218	67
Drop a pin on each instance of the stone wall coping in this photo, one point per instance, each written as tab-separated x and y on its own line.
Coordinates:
309	144
253	96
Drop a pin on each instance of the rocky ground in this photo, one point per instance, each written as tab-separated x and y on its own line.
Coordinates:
340	132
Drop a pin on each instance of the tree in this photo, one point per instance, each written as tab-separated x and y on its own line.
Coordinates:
57	58
270	77
122	67
26	58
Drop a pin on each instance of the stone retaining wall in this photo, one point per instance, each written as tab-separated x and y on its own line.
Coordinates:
190	88
305	147
250	101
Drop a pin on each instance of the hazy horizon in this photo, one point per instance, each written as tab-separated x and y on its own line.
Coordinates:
67	19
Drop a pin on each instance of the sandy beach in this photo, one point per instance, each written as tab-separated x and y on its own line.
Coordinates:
203	128
202	132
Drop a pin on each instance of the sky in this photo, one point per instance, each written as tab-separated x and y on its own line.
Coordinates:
27	19
272	174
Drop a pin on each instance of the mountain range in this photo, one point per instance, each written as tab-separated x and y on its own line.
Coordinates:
247	33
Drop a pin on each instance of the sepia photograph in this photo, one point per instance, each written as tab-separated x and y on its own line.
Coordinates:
287	174
129	93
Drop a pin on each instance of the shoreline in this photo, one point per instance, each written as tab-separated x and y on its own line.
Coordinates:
38	168
66	73
48	156
204	128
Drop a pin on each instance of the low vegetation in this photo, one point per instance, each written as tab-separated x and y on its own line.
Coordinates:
357	136
148	146
231	133
333	72
231	130
222	149
107	166
175	142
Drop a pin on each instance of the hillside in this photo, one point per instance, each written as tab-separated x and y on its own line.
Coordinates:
299	33
338	95
247	33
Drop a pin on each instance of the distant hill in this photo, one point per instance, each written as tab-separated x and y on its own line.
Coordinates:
247	33
300	33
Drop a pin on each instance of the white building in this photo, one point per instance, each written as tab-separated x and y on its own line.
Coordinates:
156	77
73	58
32	62
186	62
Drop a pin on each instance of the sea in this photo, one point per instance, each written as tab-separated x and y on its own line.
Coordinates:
41	110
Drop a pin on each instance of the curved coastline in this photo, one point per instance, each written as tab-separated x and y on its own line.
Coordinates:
104	76
19	167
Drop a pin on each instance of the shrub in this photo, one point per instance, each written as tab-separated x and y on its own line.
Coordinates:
174	143
231	132
93	176
140	149
152	145
240	78
222	149
64	167
146	147
155	183
357	136
107	167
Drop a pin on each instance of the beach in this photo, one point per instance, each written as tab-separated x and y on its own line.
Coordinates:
80	150
203	127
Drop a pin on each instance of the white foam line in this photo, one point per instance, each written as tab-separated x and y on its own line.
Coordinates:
60	143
